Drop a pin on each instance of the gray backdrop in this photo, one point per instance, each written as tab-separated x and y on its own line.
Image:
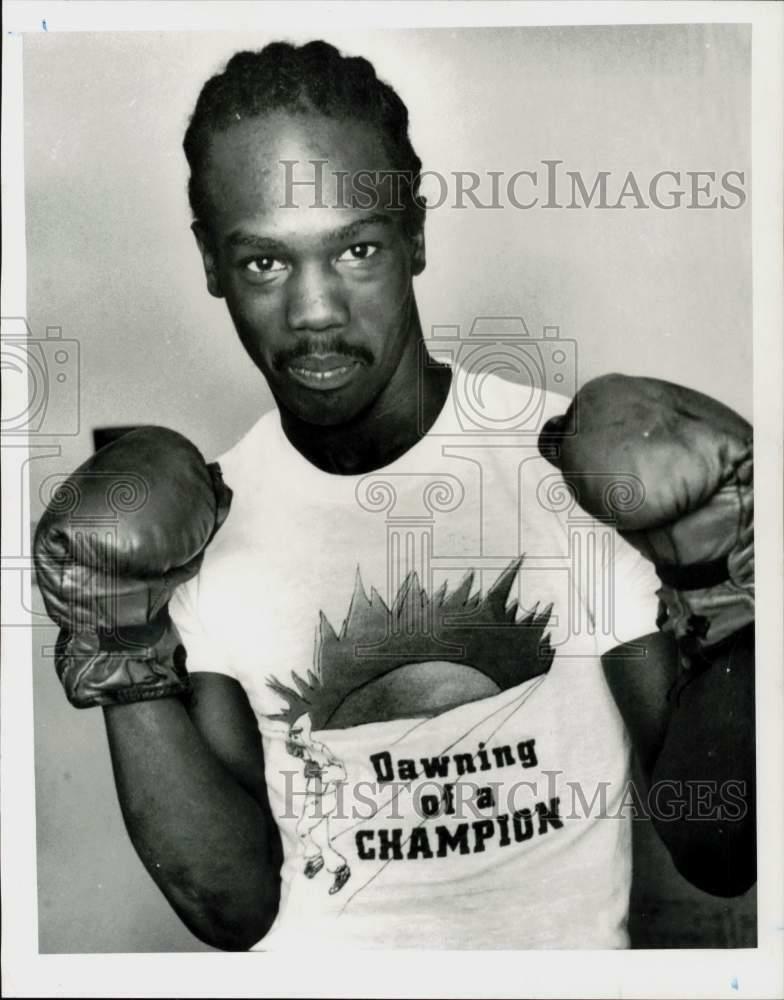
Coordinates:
111	262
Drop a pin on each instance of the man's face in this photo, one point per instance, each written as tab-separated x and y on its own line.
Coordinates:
321	295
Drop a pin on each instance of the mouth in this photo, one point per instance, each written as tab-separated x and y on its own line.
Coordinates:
323	371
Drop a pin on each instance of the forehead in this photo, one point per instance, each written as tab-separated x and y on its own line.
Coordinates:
266	170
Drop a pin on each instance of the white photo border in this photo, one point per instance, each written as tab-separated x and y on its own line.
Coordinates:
716	973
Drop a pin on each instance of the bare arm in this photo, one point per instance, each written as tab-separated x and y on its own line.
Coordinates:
190	780
697	749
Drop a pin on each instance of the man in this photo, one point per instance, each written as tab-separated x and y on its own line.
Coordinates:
462	666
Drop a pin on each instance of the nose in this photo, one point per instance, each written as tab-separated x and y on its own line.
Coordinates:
316	299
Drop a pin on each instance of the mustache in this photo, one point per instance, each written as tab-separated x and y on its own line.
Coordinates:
335	344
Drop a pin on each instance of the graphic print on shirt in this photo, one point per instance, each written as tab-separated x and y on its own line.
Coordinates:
322	772
413	676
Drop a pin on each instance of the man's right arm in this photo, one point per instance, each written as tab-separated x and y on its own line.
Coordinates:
190	780
121	537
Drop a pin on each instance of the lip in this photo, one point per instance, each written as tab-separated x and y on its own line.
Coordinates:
323	371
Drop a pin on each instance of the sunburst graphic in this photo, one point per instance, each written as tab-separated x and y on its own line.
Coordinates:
419	658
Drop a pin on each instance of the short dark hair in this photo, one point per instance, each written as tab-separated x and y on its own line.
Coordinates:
310	78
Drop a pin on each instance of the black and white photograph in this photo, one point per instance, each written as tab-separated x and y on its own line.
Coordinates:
383	390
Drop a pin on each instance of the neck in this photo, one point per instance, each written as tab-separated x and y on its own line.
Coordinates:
399	418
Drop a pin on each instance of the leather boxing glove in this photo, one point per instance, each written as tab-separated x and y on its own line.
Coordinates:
119	535
673	469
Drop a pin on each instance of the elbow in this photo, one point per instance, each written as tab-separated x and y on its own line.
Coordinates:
239	932
227	922
240	937
724	881
710	833
720	864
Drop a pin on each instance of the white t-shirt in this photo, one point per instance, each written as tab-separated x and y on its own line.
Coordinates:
421	648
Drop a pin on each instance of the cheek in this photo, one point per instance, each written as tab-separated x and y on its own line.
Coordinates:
381	308
258	321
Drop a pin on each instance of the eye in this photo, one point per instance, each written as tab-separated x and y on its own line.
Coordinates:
264	265
359	251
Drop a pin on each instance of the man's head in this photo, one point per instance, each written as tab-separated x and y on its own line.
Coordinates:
319	287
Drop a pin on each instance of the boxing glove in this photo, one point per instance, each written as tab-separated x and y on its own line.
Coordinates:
673	470
119	535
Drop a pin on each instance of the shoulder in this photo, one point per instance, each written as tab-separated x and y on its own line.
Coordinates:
207	597
246	455
509	406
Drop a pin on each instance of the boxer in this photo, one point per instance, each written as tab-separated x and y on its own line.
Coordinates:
323	303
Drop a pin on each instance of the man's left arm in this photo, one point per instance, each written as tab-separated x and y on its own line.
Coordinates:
672	470
694	736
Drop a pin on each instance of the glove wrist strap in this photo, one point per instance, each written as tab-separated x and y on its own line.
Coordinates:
136	638
704	604
705	617
139	664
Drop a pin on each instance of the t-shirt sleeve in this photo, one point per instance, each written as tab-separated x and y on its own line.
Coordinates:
632	585
191	613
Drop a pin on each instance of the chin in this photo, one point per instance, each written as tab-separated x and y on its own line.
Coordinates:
336	418
327	410
321	412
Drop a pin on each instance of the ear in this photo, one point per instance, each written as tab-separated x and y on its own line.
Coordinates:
418	259
208	258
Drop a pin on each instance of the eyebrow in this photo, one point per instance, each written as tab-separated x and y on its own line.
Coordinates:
242	239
